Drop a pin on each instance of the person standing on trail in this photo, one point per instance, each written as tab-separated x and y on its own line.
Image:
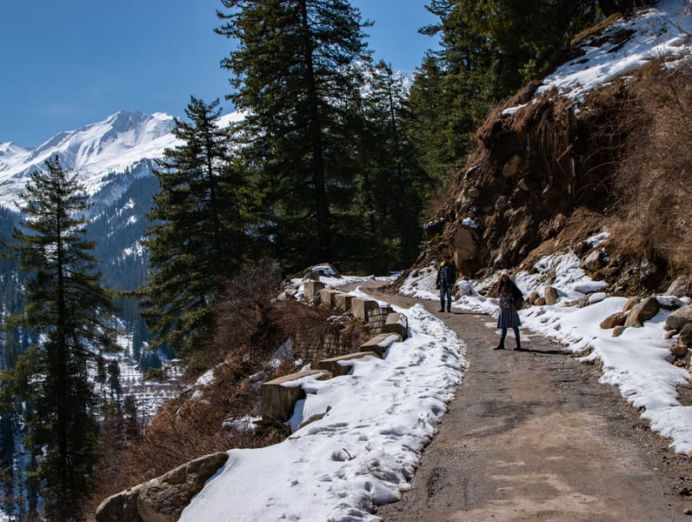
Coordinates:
446	277
509	296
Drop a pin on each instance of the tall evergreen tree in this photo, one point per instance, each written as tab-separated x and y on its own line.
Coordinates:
65	304
392	182
294	75
197	239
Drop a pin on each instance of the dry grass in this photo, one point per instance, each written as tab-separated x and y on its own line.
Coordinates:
654	178
251	325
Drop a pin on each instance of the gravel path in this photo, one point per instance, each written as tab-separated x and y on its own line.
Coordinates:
533	435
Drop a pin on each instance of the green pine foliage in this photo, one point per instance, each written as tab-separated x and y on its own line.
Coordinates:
196	240
389	197
489	49
294	73
66	307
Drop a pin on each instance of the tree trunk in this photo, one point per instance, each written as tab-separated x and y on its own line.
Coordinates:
318	174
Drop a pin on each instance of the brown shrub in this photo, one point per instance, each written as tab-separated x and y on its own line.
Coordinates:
251	325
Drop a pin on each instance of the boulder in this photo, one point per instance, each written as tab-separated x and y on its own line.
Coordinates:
523	184
279	396
685	336
512	166
361	307
680	287
164	498
540	301
679	350
616	319
328	297
312	288
642	311
550	294
532	298
396	323
120	507
678	319
617	331
342	302
465	246
334	366
592	262
474	193
629	304
380	343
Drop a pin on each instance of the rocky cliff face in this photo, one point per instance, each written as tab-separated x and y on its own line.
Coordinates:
560	162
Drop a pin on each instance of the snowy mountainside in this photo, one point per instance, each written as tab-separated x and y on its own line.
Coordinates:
106	155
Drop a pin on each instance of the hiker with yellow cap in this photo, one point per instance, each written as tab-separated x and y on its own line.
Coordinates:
446	277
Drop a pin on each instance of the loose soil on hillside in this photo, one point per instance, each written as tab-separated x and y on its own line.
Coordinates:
533	435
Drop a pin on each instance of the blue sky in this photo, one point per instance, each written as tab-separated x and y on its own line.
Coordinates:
67	63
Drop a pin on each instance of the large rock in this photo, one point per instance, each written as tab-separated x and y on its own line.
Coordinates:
333	365
592	262
380	343
642	311
685	336
396	323
164	498
361	307
279	396
121	507
618	330
680	287
550	294
678	350
617	319
312	288
630	303
678	319
465	246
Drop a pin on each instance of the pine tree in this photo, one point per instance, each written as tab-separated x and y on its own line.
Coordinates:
393	184
196	241
294	76
65	304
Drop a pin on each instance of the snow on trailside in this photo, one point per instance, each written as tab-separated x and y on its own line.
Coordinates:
363	451
638	362
662	32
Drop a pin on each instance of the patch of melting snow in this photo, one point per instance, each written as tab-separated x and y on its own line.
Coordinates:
637	362
362	452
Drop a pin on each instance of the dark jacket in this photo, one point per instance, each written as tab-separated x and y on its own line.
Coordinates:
447	274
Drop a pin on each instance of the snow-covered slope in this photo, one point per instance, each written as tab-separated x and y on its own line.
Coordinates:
662	32
123	144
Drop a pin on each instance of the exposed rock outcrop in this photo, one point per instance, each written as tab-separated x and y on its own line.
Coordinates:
164	498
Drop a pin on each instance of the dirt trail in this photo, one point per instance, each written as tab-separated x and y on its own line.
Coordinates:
534	436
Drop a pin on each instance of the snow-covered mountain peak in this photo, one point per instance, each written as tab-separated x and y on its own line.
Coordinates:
107	154
97	152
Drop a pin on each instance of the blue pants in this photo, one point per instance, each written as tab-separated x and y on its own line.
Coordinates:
445	289
516	335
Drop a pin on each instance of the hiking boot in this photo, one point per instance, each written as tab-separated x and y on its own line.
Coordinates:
518	348
500	346
440	310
